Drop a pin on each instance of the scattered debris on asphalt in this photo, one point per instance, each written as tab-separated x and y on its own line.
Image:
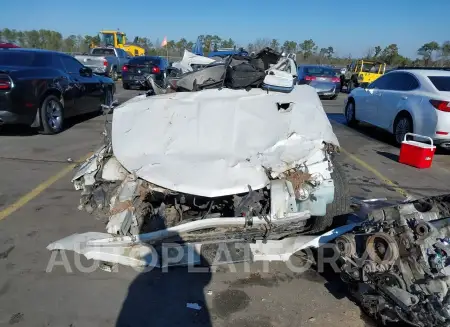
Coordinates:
397	262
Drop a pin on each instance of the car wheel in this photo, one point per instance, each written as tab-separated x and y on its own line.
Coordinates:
350	113
340	205
52	115
114	75
403	124
126	86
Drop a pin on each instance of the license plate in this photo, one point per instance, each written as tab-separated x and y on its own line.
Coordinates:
138	78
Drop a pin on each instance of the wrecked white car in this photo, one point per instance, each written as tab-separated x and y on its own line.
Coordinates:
216	165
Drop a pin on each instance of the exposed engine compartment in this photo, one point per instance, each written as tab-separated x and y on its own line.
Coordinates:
397	263
135	206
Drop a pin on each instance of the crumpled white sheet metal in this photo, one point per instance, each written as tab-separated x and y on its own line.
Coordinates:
189	59
218	142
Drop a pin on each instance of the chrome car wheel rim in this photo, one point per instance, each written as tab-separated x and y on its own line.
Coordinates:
401	129
54	114
349	114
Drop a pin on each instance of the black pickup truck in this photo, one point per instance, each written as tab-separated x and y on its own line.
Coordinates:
42	88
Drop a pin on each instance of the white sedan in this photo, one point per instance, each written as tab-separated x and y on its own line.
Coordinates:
405	101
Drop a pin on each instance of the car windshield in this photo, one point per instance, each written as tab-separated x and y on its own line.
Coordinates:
370	67
22	58
442	83
320	71
103	52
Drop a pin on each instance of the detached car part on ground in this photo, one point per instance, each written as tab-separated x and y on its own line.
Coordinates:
397	263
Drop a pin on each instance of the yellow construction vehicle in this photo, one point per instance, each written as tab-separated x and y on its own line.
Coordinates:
118	40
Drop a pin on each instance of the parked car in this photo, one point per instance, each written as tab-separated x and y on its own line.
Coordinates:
413	100
135	73
8	45
106	61
324	79
42	88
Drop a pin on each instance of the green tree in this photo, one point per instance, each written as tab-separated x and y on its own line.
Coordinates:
377	51
427	50
171	45
275	45
228	43
181	45
33	39
390	54
330	52
290	46
70	44
308	47
445	50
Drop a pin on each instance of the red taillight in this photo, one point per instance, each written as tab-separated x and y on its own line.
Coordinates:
156	70
105	63
441	105
5	84
125	68
336	80
310	78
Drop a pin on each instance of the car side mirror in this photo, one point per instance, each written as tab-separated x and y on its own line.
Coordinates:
86	71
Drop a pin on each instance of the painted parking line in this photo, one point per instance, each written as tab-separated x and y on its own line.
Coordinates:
379	175
22	201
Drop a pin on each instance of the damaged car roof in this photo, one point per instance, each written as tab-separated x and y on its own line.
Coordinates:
219	142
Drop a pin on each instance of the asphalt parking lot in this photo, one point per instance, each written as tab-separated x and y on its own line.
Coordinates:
38	206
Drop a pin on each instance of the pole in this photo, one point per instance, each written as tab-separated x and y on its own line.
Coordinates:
167	52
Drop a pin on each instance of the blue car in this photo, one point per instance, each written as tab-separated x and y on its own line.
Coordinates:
135	73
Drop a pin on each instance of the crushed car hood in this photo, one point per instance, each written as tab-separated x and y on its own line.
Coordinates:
219	142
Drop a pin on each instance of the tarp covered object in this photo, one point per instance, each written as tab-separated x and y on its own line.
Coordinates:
219	142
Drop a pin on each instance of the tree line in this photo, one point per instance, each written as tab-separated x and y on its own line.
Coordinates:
430	54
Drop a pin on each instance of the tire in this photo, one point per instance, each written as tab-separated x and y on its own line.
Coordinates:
403	124
52	115
126	86
350	113
114	75
340	205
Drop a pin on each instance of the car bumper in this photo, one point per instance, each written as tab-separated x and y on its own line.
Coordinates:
99	70
9	118
140	79
329	93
